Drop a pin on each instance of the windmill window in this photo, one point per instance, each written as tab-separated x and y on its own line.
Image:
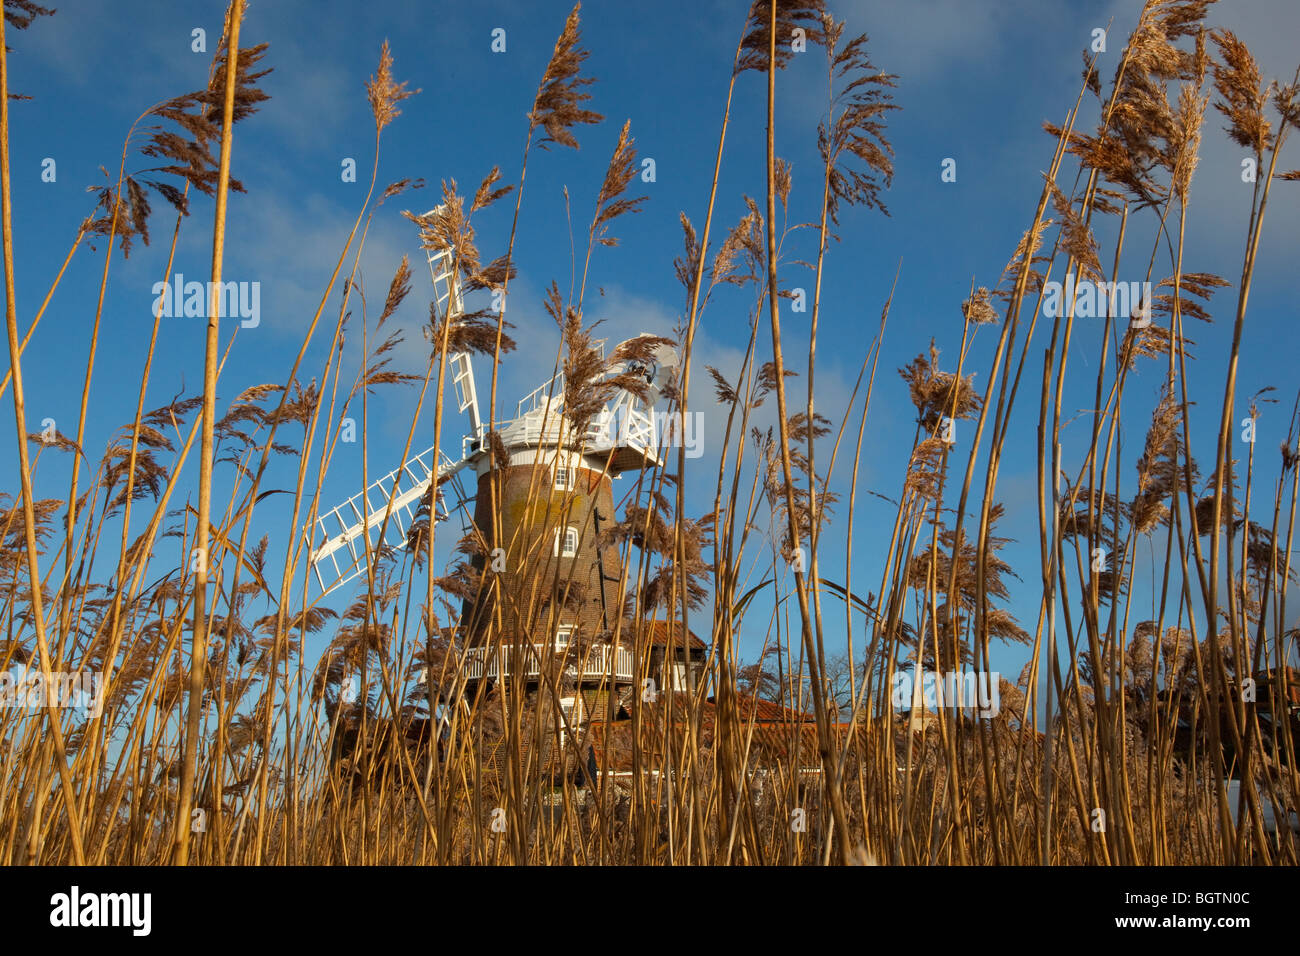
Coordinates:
564	478
679	678
562	638
572	709
566	544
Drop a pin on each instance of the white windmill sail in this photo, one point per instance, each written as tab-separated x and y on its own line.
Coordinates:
390	504
342	557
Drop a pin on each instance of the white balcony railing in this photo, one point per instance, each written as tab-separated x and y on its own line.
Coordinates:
599	661
632	427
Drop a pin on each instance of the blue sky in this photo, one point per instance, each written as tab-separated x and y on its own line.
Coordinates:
976	81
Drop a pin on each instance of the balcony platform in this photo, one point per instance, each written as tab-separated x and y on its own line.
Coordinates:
596	663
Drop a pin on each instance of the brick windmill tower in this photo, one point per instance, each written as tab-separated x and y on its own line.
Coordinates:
550	582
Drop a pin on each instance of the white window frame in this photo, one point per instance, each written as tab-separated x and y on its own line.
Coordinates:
679	676
566	551
564	477
563	636
573	710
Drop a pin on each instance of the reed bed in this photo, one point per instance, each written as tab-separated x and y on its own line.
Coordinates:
225	737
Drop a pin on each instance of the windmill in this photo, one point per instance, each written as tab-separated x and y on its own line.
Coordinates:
556	495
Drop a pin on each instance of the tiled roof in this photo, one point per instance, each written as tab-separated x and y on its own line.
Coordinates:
759	711
660	632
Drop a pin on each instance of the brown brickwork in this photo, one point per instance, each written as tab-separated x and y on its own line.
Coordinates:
532	511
